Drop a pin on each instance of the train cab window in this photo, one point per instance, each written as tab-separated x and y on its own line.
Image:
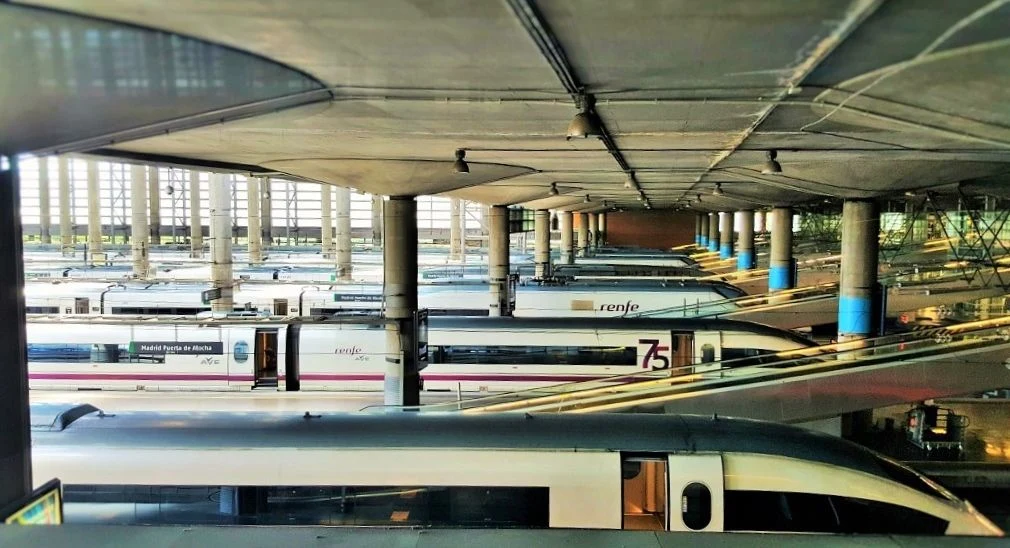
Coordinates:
756	356
815	513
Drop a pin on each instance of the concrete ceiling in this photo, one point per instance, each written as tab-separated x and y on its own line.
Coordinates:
860	98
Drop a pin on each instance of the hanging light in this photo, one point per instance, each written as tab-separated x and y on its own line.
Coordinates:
554	189
587	200
717	191
585	122
460	165
630	182
641	196
770	166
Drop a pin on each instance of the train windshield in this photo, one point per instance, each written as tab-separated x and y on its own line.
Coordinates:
909	478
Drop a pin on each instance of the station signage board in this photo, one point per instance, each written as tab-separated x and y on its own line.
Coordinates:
156	348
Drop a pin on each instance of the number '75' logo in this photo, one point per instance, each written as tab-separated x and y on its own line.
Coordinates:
653	355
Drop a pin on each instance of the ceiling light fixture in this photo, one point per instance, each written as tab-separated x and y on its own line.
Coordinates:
585	122
554	189
587	200
630	182
770	166
717	191
460	165
641	196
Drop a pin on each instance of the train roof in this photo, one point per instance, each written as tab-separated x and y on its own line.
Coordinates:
640	433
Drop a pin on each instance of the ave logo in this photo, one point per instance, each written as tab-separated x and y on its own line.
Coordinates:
654	354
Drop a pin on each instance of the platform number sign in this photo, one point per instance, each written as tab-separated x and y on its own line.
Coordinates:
654	354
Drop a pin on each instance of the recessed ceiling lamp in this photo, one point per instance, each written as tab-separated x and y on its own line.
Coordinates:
770	166
585	122
630	183
587	200
554	189
460	165
717	191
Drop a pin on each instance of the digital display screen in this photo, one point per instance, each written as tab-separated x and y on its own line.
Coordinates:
43	507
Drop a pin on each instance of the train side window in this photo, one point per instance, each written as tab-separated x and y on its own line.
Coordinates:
546	355
696	506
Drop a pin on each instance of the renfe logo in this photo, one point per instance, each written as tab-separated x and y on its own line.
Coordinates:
622	308
348	350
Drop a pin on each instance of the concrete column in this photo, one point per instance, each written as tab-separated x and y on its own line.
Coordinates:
567	237
343	237
326	220
601	228
760	221
154	198
220	244
399	289
583	235
254	232
746	259
15	440
594	233
713	231
455	229
858	278
498	260
542	243
703	231
45	214
780	260
139	243
697	230
266	213
94	212
378	205
66	220
726	235
195	222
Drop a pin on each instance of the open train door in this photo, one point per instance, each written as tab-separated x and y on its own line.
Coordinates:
696	492
265	369
707	350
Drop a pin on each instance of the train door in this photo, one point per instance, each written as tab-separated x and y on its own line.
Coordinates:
707	349
682	353
82	305
643	492
280	307
696	490
265	372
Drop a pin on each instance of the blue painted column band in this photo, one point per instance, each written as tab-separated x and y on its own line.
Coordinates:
725	251
713	245
779	277
745	259
697	239
703	241
854	315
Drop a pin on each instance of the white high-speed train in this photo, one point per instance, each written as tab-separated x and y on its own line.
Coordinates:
600	299
646	472
468	354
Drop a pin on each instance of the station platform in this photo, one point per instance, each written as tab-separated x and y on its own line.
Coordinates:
73	536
